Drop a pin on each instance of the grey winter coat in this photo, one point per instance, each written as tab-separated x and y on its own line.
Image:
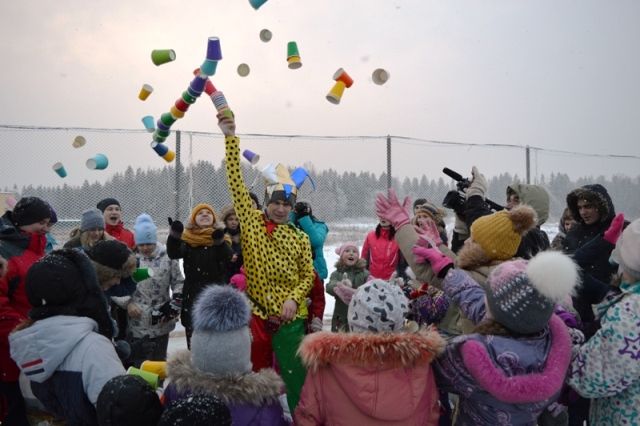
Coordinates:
153	292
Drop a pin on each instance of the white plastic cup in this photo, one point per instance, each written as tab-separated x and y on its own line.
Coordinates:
79	142
380	76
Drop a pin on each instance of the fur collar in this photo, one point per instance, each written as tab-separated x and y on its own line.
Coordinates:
252	388
392	350
529	388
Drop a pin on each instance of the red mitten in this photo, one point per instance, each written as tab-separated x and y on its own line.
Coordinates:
615	229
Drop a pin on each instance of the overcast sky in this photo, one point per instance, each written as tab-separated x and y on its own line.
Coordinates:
552	74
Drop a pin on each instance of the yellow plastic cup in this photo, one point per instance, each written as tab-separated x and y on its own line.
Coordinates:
155	367
145	91
335	94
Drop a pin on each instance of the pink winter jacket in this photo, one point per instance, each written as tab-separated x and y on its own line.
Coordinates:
369	379
382	254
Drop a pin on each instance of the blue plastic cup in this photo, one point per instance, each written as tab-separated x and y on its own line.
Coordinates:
160	148
59	169
208	67
257	3
98	162
147	120
214	52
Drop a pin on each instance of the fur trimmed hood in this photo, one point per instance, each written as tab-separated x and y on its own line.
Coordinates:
595	194
390	350
255	389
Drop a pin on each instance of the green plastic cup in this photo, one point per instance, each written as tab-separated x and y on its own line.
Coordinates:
188	98
292	49
162	56
163	133
167	119
148	376
142	274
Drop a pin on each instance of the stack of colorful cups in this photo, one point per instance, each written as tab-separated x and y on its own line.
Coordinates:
343	80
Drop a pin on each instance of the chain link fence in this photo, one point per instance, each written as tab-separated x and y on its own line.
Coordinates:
347	172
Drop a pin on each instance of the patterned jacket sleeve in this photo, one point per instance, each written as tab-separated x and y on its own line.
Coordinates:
461	289
177	278
603	366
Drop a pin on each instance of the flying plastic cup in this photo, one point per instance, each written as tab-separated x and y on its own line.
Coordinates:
148	376
59	169
197	85
147	120
163	133
169	156
181	105
158	138
167	119
162	56
79	142
341	75
98	162
214	52
163	151
145	91
380	76
257	3
156	367
243	70
208	67
265	35
142	274
251	157
335	95
293	55
186	96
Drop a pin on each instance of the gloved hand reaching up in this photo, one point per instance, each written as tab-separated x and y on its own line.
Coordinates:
176	227
439	262
389	208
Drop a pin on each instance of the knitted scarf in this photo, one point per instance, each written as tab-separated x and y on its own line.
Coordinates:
196	236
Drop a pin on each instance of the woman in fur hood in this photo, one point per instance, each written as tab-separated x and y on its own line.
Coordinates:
351	272
219	363
378	374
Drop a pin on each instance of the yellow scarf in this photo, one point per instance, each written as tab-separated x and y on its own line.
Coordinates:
196	236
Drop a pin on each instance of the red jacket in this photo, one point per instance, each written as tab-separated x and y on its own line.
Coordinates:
369	379
120	233
382	254
316	295
14	306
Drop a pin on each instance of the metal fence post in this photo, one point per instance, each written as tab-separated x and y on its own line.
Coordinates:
388	161
178	174
528	161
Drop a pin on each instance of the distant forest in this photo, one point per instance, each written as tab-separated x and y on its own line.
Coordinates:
338	196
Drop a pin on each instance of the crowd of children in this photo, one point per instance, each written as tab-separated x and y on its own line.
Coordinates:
501	329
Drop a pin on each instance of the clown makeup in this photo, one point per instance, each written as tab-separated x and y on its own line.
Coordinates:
204	218
349	256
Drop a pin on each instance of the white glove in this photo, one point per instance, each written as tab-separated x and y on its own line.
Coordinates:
478	184
316	325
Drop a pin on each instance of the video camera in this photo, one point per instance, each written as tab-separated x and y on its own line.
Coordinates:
456	201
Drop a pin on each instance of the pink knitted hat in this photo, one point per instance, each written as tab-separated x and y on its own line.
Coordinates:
345	246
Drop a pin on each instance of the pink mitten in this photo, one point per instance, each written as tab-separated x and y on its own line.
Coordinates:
615	229
344	293
431	235
389	208
433	256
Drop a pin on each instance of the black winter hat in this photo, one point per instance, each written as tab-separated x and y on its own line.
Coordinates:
197	410
64	283
30	210
128	400
103	204
111	253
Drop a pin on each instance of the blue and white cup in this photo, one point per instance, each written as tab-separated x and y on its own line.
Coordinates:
98	162
147	120
59	169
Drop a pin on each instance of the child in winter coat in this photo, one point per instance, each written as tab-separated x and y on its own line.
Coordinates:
152	310
205	255
91	230
350	273
232	232
378	374
381	251
65	348
606	368
514	363
22	243
219	363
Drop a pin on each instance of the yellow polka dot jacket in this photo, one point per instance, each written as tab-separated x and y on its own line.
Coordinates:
279	264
